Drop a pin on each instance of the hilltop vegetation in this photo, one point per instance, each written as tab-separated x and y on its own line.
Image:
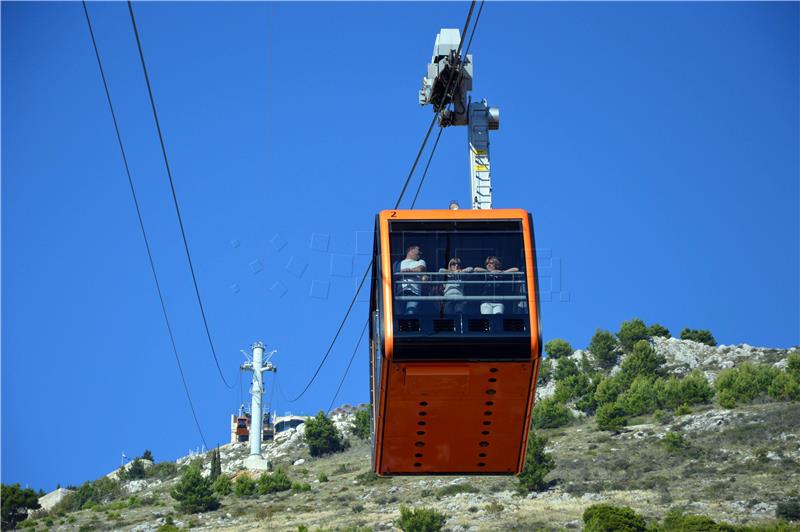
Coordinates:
638	432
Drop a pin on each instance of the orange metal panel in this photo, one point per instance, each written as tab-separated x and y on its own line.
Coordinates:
455	418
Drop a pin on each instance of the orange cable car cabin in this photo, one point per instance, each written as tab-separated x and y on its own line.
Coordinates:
455	341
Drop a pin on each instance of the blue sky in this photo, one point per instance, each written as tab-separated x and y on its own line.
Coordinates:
655	144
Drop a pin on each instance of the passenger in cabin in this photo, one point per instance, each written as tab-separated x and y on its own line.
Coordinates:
412	263
453	287
494	273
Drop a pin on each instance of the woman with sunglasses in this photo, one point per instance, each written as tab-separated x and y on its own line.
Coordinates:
453	287
494	272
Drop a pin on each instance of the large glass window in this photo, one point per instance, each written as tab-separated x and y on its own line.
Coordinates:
444	272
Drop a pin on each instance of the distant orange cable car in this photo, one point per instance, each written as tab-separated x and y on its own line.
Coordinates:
455	341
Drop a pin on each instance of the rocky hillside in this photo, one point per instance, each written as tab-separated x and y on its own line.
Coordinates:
735	465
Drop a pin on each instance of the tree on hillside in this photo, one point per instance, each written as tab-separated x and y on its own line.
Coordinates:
608	518
604	348
566	367
537	465
658	330
642	361
193	493
16	503
135	471
611	417
558	348
420	519
322	436
216	465
147	455
549	413
362	425
631	332
545	370
698	335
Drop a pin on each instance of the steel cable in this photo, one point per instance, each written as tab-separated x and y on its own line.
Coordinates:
141	226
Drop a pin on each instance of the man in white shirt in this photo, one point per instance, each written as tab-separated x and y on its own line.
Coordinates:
412	263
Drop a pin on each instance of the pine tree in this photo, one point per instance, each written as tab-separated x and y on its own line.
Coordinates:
216	465
193	493
322	436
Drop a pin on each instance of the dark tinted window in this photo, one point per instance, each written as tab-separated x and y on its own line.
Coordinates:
444	271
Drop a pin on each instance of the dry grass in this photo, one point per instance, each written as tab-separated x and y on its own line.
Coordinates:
725	474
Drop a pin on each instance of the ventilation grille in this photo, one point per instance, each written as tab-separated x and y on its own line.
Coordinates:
479	326
515	325
408	325
444	326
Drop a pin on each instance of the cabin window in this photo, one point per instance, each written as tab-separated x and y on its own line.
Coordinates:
458	277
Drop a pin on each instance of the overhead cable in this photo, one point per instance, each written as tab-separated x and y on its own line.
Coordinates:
441	129
396	205
346	371
174	195
141	226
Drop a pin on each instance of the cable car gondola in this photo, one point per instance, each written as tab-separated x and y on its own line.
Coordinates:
455	341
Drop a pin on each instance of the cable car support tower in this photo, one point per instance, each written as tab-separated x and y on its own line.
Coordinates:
258	365
448	82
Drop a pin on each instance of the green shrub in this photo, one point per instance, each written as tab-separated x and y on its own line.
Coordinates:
643	360
273	482
244	486
695	389
148	455
420	519
362	426
135	471
550	413
793	365
558	348
453	489
631	332
565	368
674	441
537	465
608	389
162	470
89	494
608	518
322	477
572	387
698	335
193	493
301	486
222	485
587	363
658	330
677	521
747	381
322	436
726	399
683	410
588	402
545	371
604	348
669	392
662	416
788	509
785	387
16	502
640	397
611	417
